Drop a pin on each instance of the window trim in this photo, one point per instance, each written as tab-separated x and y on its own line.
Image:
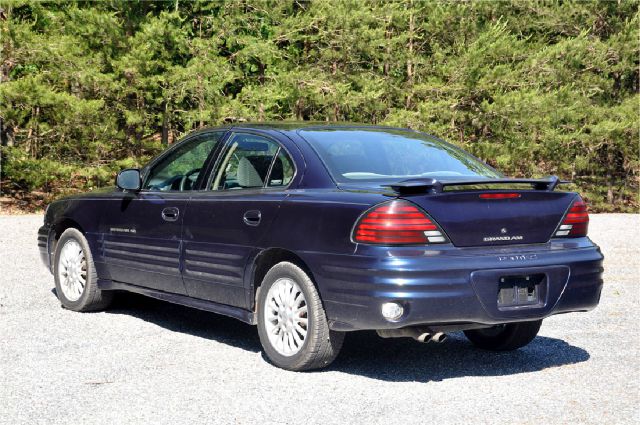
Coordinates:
224	149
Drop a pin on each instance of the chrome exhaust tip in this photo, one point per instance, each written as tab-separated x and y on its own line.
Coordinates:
425	337
423	334
439	337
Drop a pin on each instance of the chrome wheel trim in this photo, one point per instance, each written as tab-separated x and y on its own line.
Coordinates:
285	317
72	270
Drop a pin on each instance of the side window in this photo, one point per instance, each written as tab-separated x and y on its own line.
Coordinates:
282	171
246	163
180	169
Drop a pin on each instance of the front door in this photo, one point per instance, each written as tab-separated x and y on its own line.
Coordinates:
225	225
141	235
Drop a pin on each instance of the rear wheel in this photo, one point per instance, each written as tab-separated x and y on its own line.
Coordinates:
510	336
75	274
292	323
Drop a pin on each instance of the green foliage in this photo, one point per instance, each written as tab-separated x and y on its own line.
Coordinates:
533	88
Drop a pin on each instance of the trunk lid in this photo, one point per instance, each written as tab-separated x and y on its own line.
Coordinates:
471	220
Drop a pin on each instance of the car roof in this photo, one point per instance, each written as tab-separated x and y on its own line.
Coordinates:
295	126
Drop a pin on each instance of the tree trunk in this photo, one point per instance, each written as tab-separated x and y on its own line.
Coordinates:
165	124
387	50
609	176
201	100
609	188
410	57
298	107
36	147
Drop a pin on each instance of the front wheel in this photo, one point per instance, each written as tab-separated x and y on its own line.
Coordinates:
75	274
292	324
510	336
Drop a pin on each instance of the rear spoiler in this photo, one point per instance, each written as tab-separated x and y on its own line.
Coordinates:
429	185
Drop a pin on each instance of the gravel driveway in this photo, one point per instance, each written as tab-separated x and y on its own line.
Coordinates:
145	361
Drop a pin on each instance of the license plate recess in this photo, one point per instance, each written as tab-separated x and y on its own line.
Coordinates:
520	290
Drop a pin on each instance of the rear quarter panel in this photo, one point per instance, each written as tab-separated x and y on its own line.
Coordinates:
320	220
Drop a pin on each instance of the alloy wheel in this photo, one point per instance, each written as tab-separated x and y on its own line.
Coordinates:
72	270
286	319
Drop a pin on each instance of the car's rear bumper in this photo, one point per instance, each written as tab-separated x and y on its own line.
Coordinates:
453	286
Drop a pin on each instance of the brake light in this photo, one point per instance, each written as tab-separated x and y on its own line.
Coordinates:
575	222
397	223
499	195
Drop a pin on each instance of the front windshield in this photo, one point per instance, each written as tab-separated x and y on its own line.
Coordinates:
390	155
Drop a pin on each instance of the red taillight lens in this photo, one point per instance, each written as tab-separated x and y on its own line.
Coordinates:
575	222
397	223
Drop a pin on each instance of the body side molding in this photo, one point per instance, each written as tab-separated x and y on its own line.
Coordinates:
226	310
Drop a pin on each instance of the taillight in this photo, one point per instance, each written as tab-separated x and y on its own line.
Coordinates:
575	222
397	223
499	195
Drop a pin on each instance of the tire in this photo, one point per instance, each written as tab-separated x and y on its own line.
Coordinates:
73	258
510	336
282	313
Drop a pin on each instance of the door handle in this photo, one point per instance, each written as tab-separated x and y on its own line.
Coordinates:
252	217
170	214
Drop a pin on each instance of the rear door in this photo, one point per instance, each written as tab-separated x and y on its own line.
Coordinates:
226	224
141	234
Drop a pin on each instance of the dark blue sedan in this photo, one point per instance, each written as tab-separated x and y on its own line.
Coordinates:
311	231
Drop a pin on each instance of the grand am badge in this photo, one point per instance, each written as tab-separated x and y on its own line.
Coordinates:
122	230
503	238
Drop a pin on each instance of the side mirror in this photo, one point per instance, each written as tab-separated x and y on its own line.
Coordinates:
129	179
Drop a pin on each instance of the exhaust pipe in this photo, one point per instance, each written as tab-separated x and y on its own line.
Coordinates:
439	337
419	334
426	337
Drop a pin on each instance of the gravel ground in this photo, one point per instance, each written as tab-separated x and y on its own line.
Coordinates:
146	361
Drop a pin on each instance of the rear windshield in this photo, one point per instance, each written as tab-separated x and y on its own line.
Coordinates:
391	155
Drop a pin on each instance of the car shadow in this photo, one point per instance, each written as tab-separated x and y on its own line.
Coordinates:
177	318
365	353
403	359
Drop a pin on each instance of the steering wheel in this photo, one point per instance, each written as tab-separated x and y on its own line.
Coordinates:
187	178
